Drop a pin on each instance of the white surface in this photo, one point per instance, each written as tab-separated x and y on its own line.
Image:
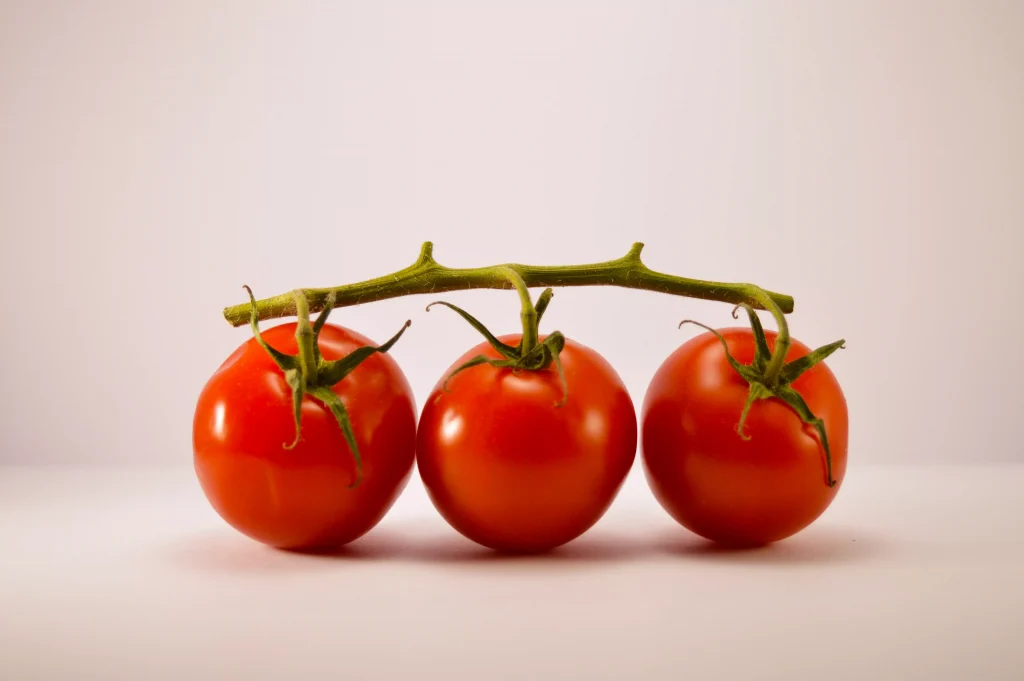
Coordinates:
914	573
865	156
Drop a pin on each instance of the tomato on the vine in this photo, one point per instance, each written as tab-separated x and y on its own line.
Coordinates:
303	497
512	467
757	487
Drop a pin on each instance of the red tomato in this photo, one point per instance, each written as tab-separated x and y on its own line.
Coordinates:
713	482
300	498
512	471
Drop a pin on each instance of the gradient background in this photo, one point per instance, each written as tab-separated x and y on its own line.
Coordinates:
865	157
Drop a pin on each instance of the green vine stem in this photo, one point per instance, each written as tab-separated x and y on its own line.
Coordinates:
528	316
427	276
782	339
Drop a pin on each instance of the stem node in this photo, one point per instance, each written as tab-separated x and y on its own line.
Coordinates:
633	256
426	256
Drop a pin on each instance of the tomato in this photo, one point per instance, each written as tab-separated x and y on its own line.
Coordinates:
714	482
301	498
512	471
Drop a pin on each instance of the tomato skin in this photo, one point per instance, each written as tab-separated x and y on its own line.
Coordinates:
724	488
299	498
513	472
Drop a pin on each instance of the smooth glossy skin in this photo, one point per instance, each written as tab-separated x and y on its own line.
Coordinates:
513	472
299	498
724	488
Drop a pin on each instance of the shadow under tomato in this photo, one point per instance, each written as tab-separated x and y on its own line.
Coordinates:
427	543
410	545
226	551
824	545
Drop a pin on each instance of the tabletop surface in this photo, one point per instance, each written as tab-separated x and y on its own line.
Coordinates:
913	573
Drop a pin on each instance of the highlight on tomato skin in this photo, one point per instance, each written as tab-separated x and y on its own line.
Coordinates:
749	490
302	498
508	468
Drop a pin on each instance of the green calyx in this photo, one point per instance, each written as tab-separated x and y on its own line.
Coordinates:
308	373
530	354
770	376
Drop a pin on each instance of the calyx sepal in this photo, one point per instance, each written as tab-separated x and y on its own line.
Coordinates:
523	356
308	373
771	377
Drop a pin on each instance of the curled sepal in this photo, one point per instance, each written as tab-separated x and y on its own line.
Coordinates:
289	365
761	352
297	383
318	325
330	373
757	392
796	401
542	302
337	407
477	361
790	372
283	361
506	351
554	344
743	370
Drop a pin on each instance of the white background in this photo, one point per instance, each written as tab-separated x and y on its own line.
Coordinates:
865	157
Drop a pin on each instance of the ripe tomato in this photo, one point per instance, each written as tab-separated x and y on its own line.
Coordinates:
301	498
715	483
512	471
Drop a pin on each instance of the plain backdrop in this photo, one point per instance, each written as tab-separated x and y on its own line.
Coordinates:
864	157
